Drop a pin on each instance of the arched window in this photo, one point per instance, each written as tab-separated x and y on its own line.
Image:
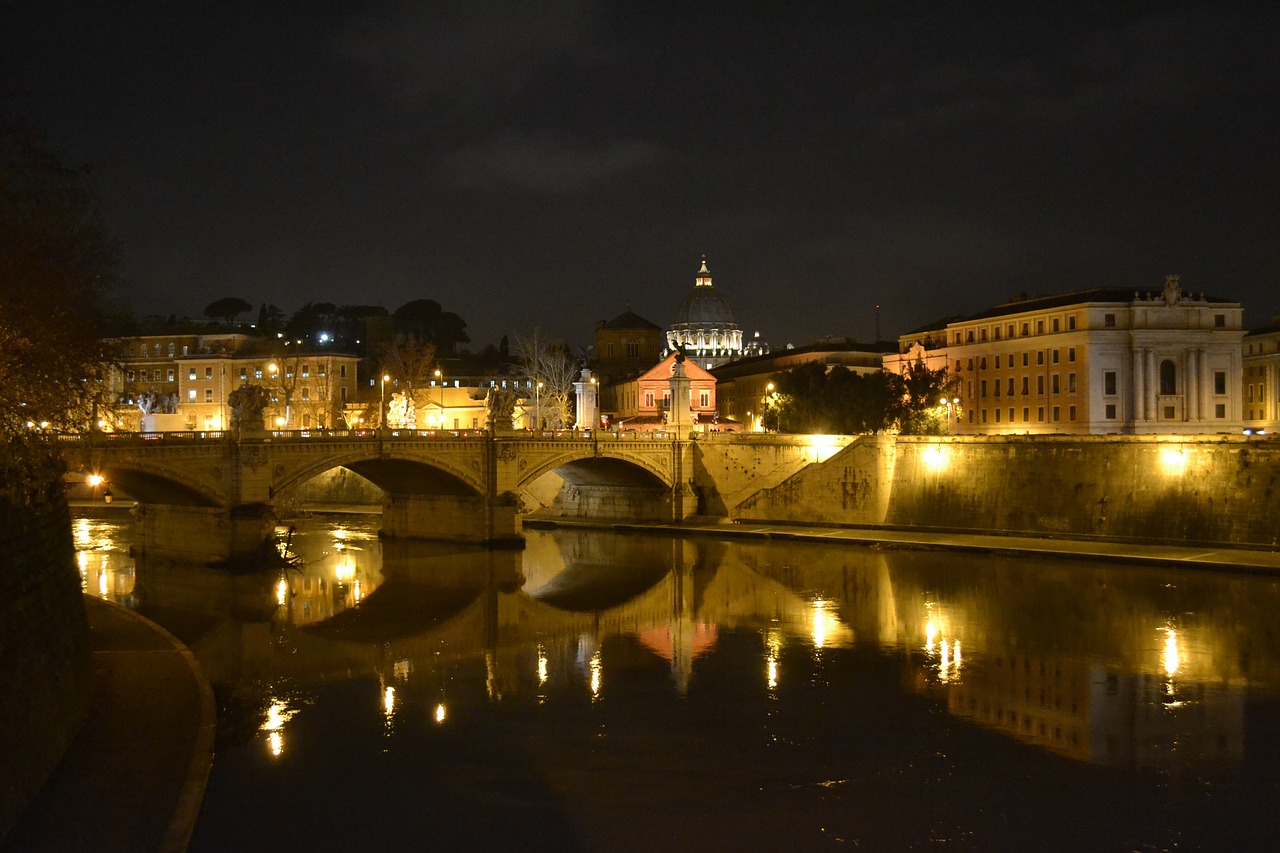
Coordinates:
1168	377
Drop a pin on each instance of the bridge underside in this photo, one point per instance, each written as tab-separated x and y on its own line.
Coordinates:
599	488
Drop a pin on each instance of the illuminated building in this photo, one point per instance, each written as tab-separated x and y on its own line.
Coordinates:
705	327
644	402
1262	379
1092	362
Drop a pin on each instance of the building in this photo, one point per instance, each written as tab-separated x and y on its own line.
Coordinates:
309	390
704	326
1093	362
644	402
1261	362
743	385
626	346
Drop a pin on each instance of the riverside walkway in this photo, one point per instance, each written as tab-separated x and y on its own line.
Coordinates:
134	776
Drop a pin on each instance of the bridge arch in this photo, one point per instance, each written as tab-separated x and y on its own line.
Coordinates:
156	484
587	466
393	473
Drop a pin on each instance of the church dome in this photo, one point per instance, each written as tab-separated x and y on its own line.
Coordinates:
704	326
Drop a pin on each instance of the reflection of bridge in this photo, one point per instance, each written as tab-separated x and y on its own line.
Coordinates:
466	488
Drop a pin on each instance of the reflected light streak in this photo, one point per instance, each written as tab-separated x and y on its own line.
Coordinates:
388	701
345	569
1171	658
282	591
440	713
102	583
275	742
930	634
542	666
278	713
595	675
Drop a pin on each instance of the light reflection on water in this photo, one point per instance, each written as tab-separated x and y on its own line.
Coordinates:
1137	670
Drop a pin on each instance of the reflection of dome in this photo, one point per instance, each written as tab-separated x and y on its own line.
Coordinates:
704	326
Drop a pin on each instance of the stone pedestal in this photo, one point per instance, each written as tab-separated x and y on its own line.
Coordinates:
197	534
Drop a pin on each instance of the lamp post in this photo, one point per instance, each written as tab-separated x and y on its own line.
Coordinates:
537	407
382	404
441	384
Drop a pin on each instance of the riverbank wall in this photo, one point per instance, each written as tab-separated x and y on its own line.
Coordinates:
1174	489
44	638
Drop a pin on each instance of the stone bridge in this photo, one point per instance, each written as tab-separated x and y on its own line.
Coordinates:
470	486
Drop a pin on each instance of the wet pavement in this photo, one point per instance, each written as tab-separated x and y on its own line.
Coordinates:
134	777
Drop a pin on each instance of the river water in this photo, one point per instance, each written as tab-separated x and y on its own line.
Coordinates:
605	691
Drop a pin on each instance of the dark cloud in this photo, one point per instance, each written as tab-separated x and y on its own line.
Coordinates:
551	164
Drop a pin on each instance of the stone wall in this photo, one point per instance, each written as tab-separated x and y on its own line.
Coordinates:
1207	490
44	642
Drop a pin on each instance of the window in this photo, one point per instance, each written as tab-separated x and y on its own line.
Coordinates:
1055	356
997	387
1040	414
1111	411
968	336
957	337
1039	327
969	392
1071	413
142	351
957	365
1039	356
1220	410
1040	385
984	334
1026	388
1168	413
343	394
971	364
129	376
208	373
306	395
1011	330
155	375
1011	416
982	364
633	349
1026	414
1071	323
244	373
342	371
191	394
186	350
997	362
1219	382
1071	383
1026	359
172	347
648	399
1109	320
306	371
666	399
208	395
1010	386
157	349
1168	377
191	373
984	416
1024	330
1071	355
704	399
1056	385
1057	414
257	374
997	333
997	416
983	389
608	349
171	375
1220	320
1109	382
1056	326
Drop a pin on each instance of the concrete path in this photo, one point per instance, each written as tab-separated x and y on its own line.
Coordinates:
134	776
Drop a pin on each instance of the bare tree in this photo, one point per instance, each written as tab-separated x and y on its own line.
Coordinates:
411	364
549	370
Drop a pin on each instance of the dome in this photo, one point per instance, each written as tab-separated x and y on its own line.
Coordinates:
704	326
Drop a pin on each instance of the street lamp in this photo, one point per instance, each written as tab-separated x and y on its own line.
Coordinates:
441	384
537	407
382	402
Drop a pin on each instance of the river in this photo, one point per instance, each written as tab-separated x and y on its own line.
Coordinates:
606	691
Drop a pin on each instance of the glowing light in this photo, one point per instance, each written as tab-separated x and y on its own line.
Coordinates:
595	675
275	743
542	666
823	446
278	713
102	584
930	634
388	700
440	713
935	458
1171	658
94	480
282	591
773	646
1174	461
345	569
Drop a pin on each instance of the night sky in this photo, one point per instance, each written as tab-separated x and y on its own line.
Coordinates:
552	164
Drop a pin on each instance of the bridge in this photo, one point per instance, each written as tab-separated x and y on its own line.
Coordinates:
203	495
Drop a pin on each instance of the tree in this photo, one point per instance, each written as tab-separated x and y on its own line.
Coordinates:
548	370
227	309
270	319
424	320
57	265
412	365
921	408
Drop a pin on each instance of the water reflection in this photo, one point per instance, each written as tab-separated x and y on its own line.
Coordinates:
1098	664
